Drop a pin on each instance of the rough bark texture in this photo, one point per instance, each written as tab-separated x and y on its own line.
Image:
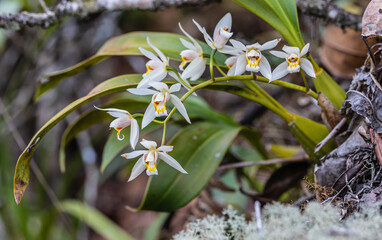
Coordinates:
83	9
330	13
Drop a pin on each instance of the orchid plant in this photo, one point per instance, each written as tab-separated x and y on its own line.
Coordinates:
197	150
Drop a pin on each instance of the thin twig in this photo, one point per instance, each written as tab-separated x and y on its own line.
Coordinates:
329	12
81	9
44	6
332	134
40	177
265	162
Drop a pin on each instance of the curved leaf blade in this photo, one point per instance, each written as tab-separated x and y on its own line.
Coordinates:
262	9
206	146
21	178
126	44
94	219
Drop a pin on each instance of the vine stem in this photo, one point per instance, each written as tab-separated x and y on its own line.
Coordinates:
305	82
212	64
270	102
185	83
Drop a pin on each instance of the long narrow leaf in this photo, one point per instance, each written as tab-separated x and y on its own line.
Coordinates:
96	220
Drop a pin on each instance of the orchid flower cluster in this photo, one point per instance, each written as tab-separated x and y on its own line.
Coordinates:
244	58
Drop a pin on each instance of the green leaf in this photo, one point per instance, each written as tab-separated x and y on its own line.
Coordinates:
263	9
93	116
154	230
21	178
287	12
254	138
206	146
127	44
96	220
326	85
284	151
309	133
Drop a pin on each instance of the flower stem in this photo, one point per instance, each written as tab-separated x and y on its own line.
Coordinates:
212	64
164	132
220	70
305	82
185	83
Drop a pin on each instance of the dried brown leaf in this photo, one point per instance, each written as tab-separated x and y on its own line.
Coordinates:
372	19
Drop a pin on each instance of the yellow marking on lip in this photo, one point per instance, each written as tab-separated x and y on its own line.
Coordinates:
148	69
253	61
158	109
293	62
150	169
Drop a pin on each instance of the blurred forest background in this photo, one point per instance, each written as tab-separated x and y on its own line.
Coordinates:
28	53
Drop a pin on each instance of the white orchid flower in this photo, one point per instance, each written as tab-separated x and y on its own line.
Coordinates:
160	97
194	56
293	62
123	119
156	67
222	33
149	160
249	58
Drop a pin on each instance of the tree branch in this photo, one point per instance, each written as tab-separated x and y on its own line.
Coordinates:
330	13
79	8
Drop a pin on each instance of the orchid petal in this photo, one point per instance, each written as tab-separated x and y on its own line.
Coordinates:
187	44
279	54
175	88
153	76
307	66
173	75
196	44
158	85
165	148
133	154
172	162
207	37
148	144
141	91
134	133
305	50
160	54
225	21
192	69
149	54
280	71
238	45
138	168
265	68
232	70
290	50
269	45
115	112
240	65
148	116
230	50
179	105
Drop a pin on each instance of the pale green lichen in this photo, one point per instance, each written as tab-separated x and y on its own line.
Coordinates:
317	222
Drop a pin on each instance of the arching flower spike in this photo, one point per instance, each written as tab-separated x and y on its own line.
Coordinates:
249	58
123	119
293	62
194	56
222	33
159	100
149	160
